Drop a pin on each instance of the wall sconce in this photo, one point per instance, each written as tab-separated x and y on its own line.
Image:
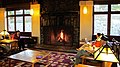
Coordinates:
104	53
85	9
34	8
31	11
86	6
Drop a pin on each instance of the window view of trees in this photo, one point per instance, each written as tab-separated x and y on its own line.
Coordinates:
19	12
11	24
100	20
19	24
100	8
115	25
100	24
27	11
10	12
115	7
107	22
28	25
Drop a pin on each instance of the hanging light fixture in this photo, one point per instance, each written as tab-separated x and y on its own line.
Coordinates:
85	9
105	53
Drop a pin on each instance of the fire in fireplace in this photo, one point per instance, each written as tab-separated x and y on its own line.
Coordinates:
61	36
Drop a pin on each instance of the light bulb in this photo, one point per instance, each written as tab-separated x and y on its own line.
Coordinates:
31	12
85	10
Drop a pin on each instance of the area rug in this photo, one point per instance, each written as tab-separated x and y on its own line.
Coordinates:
53	59
58	59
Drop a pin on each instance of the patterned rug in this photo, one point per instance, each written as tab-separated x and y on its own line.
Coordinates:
58	59
54	59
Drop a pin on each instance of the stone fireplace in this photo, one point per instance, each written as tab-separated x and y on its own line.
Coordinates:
60	22
60	29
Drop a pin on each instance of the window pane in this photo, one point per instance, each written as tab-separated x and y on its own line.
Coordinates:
115	24
19	24
11	26
100	8
28	24
100	24
115	7
27	11
10	12
18	12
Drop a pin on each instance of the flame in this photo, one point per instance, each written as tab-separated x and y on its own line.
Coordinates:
61	34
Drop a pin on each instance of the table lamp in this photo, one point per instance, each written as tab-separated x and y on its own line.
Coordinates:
104	53
4	33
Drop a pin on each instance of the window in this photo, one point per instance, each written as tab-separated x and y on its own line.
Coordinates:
115	25
100	19
115	20
28	24
10	12
27	11
19	23
19	20
11	24
100	24
100	8
115	7
19	12
107	20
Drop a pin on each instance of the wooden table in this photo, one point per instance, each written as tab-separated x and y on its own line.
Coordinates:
5	41
9	43
26	56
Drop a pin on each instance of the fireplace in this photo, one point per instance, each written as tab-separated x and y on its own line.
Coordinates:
60	29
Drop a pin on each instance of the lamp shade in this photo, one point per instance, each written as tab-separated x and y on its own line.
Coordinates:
4	32
104	53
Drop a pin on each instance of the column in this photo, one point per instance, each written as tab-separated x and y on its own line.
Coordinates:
36	21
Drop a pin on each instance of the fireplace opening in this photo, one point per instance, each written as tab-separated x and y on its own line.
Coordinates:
63	36
58	35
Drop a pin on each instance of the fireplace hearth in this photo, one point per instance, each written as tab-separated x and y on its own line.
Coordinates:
60	29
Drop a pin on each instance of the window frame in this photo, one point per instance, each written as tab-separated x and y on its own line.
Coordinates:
23	15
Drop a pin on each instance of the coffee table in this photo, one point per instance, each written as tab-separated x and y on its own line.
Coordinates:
27	56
